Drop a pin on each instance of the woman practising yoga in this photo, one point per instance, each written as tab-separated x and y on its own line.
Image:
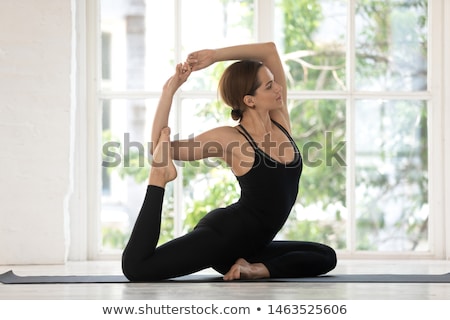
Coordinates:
237	241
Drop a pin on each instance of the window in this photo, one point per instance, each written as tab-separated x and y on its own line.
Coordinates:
360	99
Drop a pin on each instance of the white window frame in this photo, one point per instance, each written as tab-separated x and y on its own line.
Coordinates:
85	223
445	103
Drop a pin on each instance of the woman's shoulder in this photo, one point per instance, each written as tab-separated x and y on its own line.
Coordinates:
225	131
222	135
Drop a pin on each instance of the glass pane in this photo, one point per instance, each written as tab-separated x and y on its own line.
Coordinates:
135	53
125	166
391	175
320	213
391	45
312	35
221	23
207	184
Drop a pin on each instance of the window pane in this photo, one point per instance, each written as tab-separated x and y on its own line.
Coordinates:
312	36
320	213
391	45
135	51
220	23
125	167
391	175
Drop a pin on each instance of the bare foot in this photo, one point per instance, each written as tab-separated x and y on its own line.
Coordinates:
163	170
242	269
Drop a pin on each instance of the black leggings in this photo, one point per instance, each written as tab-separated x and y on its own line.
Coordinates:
207	246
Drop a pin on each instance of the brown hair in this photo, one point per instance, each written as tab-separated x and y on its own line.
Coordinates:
238	80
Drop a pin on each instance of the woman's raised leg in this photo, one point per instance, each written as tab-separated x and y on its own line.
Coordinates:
145	234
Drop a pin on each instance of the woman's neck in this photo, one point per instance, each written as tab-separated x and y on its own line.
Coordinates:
256	123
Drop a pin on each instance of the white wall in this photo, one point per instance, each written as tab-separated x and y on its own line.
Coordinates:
35	122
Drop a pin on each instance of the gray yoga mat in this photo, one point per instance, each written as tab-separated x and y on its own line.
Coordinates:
11	278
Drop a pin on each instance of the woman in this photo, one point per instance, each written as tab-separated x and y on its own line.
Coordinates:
237	241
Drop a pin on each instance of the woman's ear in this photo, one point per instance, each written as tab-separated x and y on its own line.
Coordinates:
249	101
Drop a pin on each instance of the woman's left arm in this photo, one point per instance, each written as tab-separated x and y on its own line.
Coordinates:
161	119
265	52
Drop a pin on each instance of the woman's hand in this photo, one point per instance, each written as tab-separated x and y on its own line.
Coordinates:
201	59
182	73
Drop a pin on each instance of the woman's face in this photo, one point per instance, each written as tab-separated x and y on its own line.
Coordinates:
269	93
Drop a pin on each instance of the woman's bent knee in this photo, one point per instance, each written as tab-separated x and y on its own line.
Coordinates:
142	271
132	269
129	269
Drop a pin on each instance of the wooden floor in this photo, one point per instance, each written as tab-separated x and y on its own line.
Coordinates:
232	290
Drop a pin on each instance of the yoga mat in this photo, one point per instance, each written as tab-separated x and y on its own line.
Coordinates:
11	278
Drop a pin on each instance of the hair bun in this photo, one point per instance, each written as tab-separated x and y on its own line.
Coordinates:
236	114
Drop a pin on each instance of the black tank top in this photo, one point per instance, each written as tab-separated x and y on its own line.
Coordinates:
269	190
